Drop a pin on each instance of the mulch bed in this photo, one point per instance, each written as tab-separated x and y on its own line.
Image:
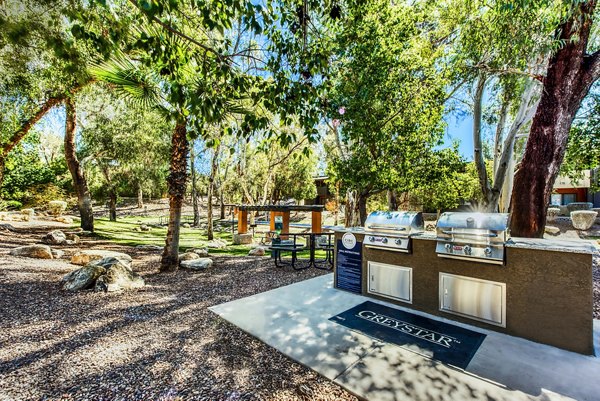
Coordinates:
158	343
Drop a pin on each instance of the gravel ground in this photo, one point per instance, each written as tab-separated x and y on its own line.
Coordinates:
158	343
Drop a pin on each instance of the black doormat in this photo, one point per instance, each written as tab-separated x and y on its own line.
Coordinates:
449	344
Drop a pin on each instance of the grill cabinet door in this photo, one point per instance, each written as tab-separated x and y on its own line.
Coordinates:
473	298
390	281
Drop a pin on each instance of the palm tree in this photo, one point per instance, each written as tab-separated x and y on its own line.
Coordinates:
189	101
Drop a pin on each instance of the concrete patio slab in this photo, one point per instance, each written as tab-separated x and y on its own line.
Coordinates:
294	320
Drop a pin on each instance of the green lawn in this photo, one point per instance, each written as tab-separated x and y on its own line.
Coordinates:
123	231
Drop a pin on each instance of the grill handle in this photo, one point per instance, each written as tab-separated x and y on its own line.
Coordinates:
375	227
490	235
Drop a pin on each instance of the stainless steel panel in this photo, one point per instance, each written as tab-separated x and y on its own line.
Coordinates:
477	299
485	221
404	223
390	281
387	242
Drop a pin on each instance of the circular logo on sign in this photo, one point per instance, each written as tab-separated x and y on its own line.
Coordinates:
349	240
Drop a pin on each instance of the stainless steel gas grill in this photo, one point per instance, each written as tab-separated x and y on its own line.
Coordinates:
392	230
472	236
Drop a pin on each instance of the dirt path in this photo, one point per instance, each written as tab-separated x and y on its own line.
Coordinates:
159	343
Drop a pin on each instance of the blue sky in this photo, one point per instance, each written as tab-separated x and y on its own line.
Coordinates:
460	128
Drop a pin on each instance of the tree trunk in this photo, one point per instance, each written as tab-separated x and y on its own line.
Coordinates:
84	199
221	204
112	205
392	199
362	208
356	208
176	183
211	189
570	74
194	187
140	196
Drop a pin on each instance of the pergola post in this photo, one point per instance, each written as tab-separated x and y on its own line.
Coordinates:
316	222
242	221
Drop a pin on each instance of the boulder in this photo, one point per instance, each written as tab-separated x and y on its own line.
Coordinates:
145	247
56	207
553	213
201	252
28	212
583	219
55	237
239	239
118	277
57	253
7	227
74	238
144	227
186	225
258	251
575	206
64	219
197	264
89	255
82	279
216	244
33	251
552	230
188	256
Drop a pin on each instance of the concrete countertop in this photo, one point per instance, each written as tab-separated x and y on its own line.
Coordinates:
543	244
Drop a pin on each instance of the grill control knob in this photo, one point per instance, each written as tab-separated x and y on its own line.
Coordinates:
487	251
384	240
371	239
448	248
398	241
467	249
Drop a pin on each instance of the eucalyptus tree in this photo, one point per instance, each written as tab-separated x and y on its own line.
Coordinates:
125	145
46	46
386	102
573	67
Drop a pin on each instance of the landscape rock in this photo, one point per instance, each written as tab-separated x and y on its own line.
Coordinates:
89	255
74	238
7	227
33	251
186	225
239	239
258	251
144	227
56	207
57	253
28	212
202	252
119	276
553	213
188	256
552	230
64	219
149	247
583	219
216	244
55	237
82	279
197	264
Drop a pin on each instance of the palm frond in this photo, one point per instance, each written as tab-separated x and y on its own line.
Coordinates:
131	81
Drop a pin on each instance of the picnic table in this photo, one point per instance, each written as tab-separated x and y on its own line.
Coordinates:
312	242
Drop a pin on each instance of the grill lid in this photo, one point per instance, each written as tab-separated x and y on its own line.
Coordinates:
403	223
481	221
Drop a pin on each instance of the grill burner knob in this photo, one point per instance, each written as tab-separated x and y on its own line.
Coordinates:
487	251
448	248
371	239
384	240
398	241
467	249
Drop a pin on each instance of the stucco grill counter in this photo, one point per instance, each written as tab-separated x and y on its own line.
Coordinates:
537	289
